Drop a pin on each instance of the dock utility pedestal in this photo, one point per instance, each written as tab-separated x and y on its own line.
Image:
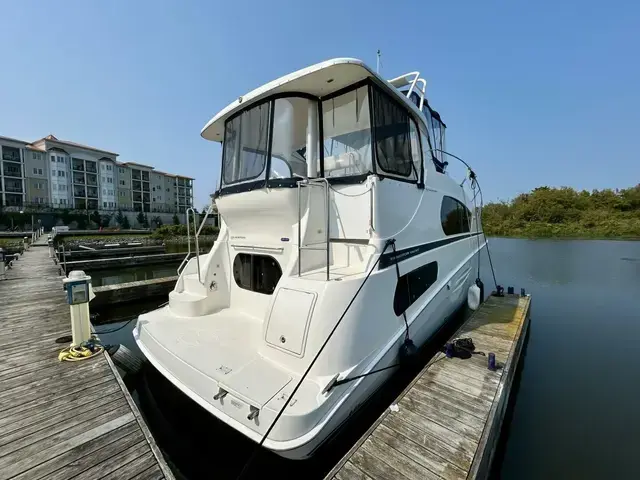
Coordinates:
79	293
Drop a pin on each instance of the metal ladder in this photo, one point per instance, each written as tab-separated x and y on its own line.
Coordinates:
196	235
314	182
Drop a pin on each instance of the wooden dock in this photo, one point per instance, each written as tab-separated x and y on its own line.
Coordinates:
61	419
446	423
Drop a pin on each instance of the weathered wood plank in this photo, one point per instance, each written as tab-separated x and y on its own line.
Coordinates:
133	468
153	473
422	456
57	416
112	464
351	472
37	453
373	467
447	420
86	454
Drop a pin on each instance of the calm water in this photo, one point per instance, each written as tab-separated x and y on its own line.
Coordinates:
575	412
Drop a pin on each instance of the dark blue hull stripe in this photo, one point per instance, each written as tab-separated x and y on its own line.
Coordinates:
391	258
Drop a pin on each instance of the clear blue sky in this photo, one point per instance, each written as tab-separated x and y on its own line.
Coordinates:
533	93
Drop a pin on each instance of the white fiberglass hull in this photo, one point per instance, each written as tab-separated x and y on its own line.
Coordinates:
423	326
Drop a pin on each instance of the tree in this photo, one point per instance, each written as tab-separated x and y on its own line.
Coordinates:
95	217
105	220
145	223
119	217
125	223
140	218
176	220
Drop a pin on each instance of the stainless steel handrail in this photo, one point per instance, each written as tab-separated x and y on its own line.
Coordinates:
186	258
314	182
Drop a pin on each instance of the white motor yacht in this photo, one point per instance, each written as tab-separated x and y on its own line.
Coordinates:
343	242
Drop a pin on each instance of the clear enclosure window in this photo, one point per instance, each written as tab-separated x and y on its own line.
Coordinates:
290	132
391	130
347	134
245	145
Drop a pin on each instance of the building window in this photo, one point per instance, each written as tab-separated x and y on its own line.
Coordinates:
411	286
53	158
258	273
60	160
39	171
35	171
454	216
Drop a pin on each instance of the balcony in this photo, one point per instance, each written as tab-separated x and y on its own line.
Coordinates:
77	165
78	178
146	197
91	167
12	170
136	185
92	179
92	192
137	197
80	203
145	187
135	174
79	192
92	204
13	200
145	176
11	154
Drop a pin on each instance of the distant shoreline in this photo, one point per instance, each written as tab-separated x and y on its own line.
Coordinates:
564	237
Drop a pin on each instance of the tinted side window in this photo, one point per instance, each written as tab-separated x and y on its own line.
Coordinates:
258	273
412	285
454	216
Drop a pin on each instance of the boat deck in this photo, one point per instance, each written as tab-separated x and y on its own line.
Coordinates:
61	419
446	423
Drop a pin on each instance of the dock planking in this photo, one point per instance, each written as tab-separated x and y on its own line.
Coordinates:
447	421
61	419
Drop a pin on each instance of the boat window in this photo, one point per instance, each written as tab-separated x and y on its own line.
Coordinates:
346	128
391	129
454	216
258	273
290	133
245	145
412	285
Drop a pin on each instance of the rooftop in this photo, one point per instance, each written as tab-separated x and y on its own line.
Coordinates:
53	138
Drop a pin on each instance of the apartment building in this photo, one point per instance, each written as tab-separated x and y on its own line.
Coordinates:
58	173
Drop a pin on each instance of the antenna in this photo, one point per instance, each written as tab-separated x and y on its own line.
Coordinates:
378	55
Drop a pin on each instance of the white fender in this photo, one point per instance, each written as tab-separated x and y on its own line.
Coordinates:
473	297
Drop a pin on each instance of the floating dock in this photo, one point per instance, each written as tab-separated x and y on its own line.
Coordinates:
446	423
58	419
